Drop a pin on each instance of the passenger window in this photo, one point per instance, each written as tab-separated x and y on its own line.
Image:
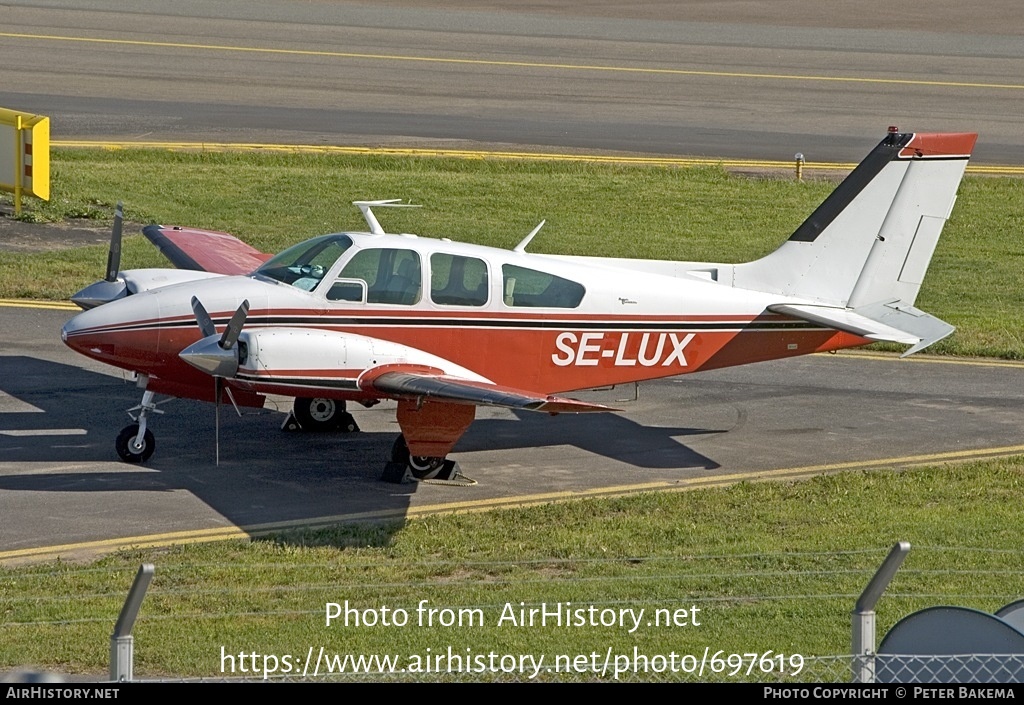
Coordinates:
392	276
530	288
458	281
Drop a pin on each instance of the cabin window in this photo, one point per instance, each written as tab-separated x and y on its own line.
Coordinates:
458	281
305	264
530	288
392	276
347	290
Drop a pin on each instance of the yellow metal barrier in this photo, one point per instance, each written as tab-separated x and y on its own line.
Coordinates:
24	155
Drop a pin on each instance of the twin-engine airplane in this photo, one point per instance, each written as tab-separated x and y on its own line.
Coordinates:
443	327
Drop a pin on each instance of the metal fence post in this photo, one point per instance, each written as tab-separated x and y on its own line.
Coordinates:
122	646
863	615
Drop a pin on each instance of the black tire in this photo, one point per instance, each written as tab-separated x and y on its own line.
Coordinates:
422	467
124	445
400	451
346	423
319	413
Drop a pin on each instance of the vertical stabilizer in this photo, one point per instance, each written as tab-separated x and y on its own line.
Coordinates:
872	239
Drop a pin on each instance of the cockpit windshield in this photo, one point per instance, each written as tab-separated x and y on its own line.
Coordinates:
305	264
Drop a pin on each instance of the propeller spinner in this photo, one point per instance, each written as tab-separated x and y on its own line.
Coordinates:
213	354
110	288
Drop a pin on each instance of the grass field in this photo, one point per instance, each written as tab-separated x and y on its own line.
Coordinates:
770	566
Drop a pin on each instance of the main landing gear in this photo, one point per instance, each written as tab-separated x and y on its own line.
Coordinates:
415	468
319	414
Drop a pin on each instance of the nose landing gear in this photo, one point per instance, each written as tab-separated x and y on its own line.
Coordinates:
136	443
133	446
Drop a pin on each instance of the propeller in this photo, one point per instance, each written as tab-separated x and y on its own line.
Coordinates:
110	287
114	254
216	356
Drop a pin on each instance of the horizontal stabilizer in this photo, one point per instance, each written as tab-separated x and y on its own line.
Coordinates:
897	314
894	322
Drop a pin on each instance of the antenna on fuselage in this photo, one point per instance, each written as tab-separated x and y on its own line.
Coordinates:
371	219
521	247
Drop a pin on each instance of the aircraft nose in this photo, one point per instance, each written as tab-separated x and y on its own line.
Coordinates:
83	334
122	333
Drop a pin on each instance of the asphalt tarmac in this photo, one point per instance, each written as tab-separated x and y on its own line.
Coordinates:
714	79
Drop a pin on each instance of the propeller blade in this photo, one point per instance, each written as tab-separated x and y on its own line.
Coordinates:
114	254
206	326
234	327
110	288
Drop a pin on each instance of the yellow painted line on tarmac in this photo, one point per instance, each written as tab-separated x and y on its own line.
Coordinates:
729	163
515	64
445	152
483	505
29	303
930	359
110	545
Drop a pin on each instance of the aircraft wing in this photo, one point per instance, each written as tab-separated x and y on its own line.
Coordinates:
419	383
894	321
205	250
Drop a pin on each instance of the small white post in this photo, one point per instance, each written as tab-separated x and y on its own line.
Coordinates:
122	646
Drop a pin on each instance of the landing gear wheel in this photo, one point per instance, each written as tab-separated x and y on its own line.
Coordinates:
425	467
405	467
131	448
421	466
321	414
400	451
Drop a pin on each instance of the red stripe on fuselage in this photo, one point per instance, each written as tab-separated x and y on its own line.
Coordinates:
545	359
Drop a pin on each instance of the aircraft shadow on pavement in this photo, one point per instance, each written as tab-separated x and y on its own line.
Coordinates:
265	475
613	436
87	410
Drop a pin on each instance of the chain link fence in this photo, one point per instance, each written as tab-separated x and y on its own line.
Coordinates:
896	669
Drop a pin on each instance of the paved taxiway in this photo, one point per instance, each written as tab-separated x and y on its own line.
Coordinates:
62	490
687	77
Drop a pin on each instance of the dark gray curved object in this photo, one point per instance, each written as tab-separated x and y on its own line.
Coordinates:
951	645
1013	614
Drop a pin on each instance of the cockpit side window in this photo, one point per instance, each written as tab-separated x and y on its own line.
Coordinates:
305	264
457	280
392	276
530	288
